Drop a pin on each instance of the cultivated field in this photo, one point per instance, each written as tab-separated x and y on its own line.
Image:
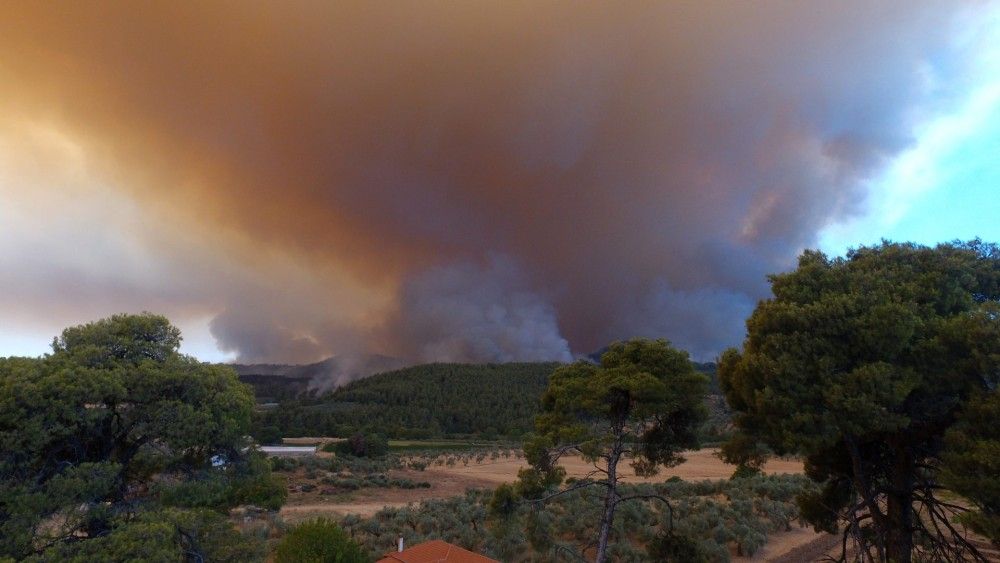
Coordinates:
450	481
800	544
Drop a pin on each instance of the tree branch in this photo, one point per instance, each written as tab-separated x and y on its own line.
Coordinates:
654	496
861	483
576	487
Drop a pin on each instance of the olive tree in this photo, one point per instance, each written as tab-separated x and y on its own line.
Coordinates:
116	432
861	364
643	404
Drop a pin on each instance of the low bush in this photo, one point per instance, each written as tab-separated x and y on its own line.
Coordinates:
364	445
319	541
710	518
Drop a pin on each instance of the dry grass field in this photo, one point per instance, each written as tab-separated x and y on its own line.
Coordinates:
450	481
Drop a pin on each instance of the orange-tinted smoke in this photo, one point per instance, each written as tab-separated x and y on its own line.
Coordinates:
634	168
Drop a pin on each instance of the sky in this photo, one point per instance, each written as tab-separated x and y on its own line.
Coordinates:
442	181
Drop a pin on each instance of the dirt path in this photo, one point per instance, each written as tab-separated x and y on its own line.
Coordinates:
702	464
814	547
365	509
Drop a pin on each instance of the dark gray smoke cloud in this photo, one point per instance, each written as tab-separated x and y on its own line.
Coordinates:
641	166
243	332
465	313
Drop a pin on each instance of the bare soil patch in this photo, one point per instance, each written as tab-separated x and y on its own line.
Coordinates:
800	545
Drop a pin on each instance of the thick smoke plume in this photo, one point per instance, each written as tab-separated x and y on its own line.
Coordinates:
639	167
463	313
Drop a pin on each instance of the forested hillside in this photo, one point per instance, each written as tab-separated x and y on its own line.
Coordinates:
278	382
430	400
275	388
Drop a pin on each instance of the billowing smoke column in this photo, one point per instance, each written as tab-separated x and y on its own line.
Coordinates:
502	180
462	312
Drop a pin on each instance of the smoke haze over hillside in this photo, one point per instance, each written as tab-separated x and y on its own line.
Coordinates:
462	181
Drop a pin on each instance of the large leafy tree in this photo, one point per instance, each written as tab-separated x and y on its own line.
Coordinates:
643	403
114	437
861	364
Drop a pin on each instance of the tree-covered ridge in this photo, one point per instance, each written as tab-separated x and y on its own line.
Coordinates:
278	382
430	401
427	400
269	388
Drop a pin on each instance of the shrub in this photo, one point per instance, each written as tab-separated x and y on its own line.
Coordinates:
744	471
283	463
671	547
318	541
364	445
710	518
269	435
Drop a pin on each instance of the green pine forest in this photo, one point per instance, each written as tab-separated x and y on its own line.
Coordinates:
439	400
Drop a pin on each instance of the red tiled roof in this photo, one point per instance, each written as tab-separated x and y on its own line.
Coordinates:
435	551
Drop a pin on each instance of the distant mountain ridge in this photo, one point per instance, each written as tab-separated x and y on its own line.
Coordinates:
325	375
271	370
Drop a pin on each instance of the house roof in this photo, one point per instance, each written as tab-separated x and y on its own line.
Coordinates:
435	551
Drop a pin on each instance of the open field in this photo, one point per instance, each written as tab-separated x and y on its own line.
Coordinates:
452	481
702	464
399	445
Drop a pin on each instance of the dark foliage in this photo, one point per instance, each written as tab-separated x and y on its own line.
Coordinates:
319	541
486	401
972	463
862	364
363	445
644	402
275	388
117	447
431	400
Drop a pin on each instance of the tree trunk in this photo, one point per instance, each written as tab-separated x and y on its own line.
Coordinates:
610	503
899	509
